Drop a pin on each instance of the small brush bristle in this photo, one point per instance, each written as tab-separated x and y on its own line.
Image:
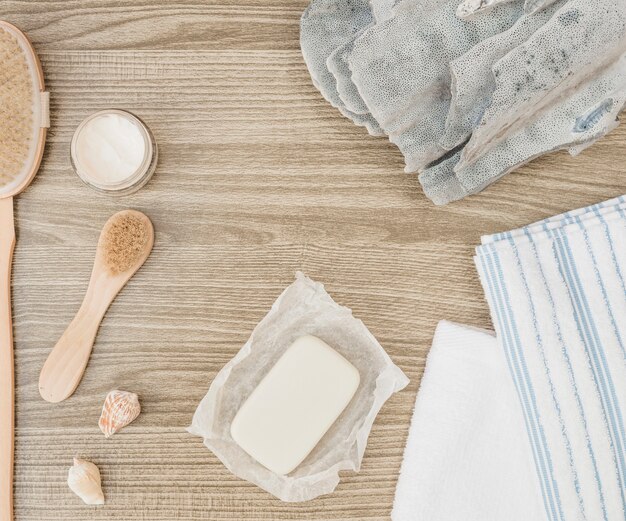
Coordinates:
17	96
124	242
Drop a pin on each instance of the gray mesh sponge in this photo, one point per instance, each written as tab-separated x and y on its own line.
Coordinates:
575	123
473	82
401	69
534	6
469	8
440	183
382	9
347	90
326	25
338	66
579	40
469	100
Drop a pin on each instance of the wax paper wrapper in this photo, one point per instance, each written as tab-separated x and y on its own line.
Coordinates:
303	308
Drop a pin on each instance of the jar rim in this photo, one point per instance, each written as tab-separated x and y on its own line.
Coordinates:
143	172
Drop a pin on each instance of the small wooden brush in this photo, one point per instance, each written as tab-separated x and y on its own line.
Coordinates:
24	119
125	243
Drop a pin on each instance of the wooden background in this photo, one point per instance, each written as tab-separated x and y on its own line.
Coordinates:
258	177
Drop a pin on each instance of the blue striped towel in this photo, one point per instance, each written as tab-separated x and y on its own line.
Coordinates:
557	295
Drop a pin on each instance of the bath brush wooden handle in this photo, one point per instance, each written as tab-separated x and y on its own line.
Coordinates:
66	364
7	376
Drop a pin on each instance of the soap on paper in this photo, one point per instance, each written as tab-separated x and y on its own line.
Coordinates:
294	405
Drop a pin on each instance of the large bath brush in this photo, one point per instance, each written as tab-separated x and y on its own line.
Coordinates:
23	122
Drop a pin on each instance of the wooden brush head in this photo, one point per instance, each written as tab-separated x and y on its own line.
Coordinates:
23	111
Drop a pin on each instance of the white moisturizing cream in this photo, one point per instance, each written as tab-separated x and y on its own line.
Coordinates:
113	151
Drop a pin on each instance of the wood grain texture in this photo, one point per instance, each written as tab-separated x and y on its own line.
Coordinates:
258	177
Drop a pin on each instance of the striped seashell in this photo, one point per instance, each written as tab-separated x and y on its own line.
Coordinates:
120	408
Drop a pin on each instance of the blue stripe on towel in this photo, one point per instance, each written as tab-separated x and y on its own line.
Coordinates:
606	282
616	266
555	401
618	337
602	287
570	370
520	374
523	402
595	353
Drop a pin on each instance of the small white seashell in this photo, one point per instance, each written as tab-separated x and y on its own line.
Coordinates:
84	480
120	408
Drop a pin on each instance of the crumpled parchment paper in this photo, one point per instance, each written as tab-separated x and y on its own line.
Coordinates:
303	308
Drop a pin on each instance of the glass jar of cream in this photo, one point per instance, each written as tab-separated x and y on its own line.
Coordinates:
113	152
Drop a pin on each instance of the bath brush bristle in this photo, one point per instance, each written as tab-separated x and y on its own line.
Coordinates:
17	117
125	239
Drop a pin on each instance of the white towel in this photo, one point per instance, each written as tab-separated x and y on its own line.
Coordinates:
557	296
467	456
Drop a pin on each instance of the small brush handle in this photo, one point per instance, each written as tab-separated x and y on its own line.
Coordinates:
7	375
67	361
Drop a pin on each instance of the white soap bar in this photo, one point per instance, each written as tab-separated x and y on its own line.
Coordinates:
294	405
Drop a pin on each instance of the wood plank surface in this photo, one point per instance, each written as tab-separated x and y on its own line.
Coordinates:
258	177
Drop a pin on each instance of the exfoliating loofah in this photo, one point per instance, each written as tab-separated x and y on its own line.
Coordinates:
573	123
347	90
469	8
470	92
401	68
473	81
439	181
580	40
325	26
534	6
337	62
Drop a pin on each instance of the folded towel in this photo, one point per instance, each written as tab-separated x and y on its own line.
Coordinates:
467	457
557	296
